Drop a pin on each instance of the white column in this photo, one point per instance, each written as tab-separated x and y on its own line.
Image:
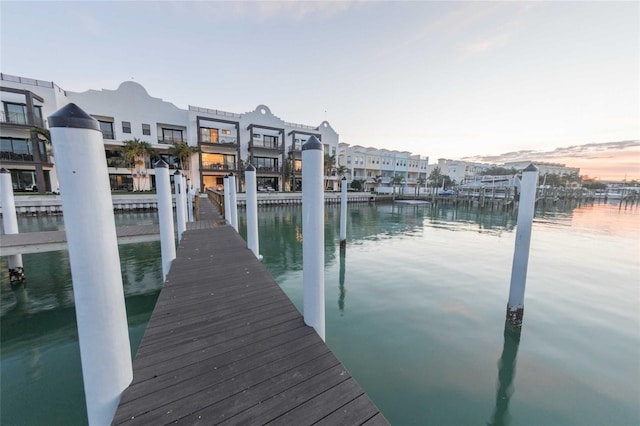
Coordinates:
526	207
184	190
189	194
313	235
165	216
95	262
233	201
227	201
343	213
10	224
252	210
180	210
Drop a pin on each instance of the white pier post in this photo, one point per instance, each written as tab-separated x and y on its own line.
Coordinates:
313	235
526	207
233	201
252	210
184	190
165	216
180	210
95	262
189	193
10	224
227	201
343	213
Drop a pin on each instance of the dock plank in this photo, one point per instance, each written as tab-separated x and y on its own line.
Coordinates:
226	345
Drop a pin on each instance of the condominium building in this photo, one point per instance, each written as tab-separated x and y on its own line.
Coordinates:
227	141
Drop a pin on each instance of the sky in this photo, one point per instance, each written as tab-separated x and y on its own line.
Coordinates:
440	79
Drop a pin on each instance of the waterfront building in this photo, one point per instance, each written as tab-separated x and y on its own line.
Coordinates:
544	167
227	141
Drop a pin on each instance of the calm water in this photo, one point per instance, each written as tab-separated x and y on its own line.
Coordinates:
415	310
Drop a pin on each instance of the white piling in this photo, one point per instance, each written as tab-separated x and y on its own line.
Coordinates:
181	221
526	207
189	193
184	190
252	210
95	262
233	201
343	213
313	235
10	224
165	216
227	201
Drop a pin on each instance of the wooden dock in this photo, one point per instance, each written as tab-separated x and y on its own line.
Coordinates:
225	345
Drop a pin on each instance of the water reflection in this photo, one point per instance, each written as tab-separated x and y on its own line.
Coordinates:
343	291
506	374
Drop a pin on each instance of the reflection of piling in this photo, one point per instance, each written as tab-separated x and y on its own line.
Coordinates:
233	202
19	290
506	374
165	216
181	221
515	307
10	224
343	213
313	235
252	210
95	262
343	291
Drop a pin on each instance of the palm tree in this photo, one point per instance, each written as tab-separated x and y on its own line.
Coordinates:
329	167
421	181
342	170
134	152
396	180
183	152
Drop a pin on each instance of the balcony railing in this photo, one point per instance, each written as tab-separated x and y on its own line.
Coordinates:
224	140
295	147
218	166
267	169
27	158
259	143
20	118
170	141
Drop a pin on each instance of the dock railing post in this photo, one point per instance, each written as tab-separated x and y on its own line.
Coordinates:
180	210
233	201
343	213
252	210
313	235
95	262
227	205
10	225
184	189
526	207
165	216
189	194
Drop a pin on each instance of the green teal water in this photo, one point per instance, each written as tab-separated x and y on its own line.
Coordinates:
415	309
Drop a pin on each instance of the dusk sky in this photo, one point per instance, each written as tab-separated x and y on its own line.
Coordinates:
443	79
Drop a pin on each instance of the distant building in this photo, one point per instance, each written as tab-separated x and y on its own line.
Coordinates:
228	141
544	168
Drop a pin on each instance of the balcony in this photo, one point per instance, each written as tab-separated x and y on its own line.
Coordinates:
295	147
20	119
218	167
170	141
259	143
267	169
223	140
21	157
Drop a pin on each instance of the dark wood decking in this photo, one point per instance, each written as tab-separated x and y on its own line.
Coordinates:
226	346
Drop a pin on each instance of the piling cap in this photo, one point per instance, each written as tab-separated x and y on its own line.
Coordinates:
344	178
72	116
530	168
312	143
3	170
231	174
250	168
160	164
177	173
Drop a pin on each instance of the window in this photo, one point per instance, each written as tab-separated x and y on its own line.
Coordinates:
218	161
270	141
171	136
106	127
225	131
208	135
16	113
265	164
126	127
146	129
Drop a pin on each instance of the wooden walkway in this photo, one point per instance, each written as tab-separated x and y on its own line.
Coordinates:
225	345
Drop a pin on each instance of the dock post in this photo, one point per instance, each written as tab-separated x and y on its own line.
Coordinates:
252	210
184	190
313	235
87	209
180	210
165	216
227	205
189	195
526	207
233	201
343	213
10	225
